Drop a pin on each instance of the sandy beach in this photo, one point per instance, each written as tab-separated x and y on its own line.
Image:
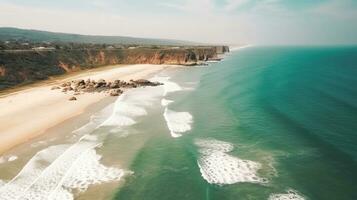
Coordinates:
29	112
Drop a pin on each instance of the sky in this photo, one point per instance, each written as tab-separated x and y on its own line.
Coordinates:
260	22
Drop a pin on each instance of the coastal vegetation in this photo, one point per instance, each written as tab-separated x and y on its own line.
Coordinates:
16	34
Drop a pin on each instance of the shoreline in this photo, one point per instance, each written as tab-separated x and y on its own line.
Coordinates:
51	107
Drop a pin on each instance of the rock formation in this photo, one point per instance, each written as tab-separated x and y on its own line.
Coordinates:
114	88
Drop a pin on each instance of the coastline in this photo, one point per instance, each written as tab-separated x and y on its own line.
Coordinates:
51	107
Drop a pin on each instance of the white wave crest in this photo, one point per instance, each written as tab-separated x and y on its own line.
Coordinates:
218	167
166	102
168	86
118	121
178	122
290	195
54	172
95	120
130	105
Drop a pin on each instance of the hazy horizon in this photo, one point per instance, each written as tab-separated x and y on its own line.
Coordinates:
259	22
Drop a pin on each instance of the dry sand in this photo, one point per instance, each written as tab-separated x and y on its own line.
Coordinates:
28	113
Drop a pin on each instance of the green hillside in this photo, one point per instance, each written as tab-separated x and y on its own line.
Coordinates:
7	33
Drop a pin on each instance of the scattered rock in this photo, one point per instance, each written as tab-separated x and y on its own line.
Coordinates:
72	99
78	83
100	83
109	84
87	81
144	82
113	88
116	92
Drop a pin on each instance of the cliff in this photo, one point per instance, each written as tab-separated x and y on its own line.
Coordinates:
17	67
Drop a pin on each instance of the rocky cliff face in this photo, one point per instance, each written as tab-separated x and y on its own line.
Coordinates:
27	66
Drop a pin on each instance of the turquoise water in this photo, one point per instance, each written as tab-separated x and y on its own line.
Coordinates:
293	110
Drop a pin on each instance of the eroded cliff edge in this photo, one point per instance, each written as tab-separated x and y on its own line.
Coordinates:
18	67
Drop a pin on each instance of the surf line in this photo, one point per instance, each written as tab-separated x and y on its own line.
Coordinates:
22	193
69	170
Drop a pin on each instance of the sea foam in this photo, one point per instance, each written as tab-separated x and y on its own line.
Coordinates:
12	158
166	102
55	172
8	158
290	195
132	104
218	167
178	122
168	86
2	183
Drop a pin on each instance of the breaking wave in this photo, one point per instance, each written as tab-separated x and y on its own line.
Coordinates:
132	104
218	167
53	173
166	102
178	122
56	172
168	86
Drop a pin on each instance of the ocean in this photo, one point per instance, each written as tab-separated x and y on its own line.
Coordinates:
266	123
290	113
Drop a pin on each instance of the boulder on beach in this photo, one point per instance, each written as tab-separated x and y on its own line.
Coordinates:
144	82
100	83
113	88
88	81
66	85
115	84
72	99
79	82
115	92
